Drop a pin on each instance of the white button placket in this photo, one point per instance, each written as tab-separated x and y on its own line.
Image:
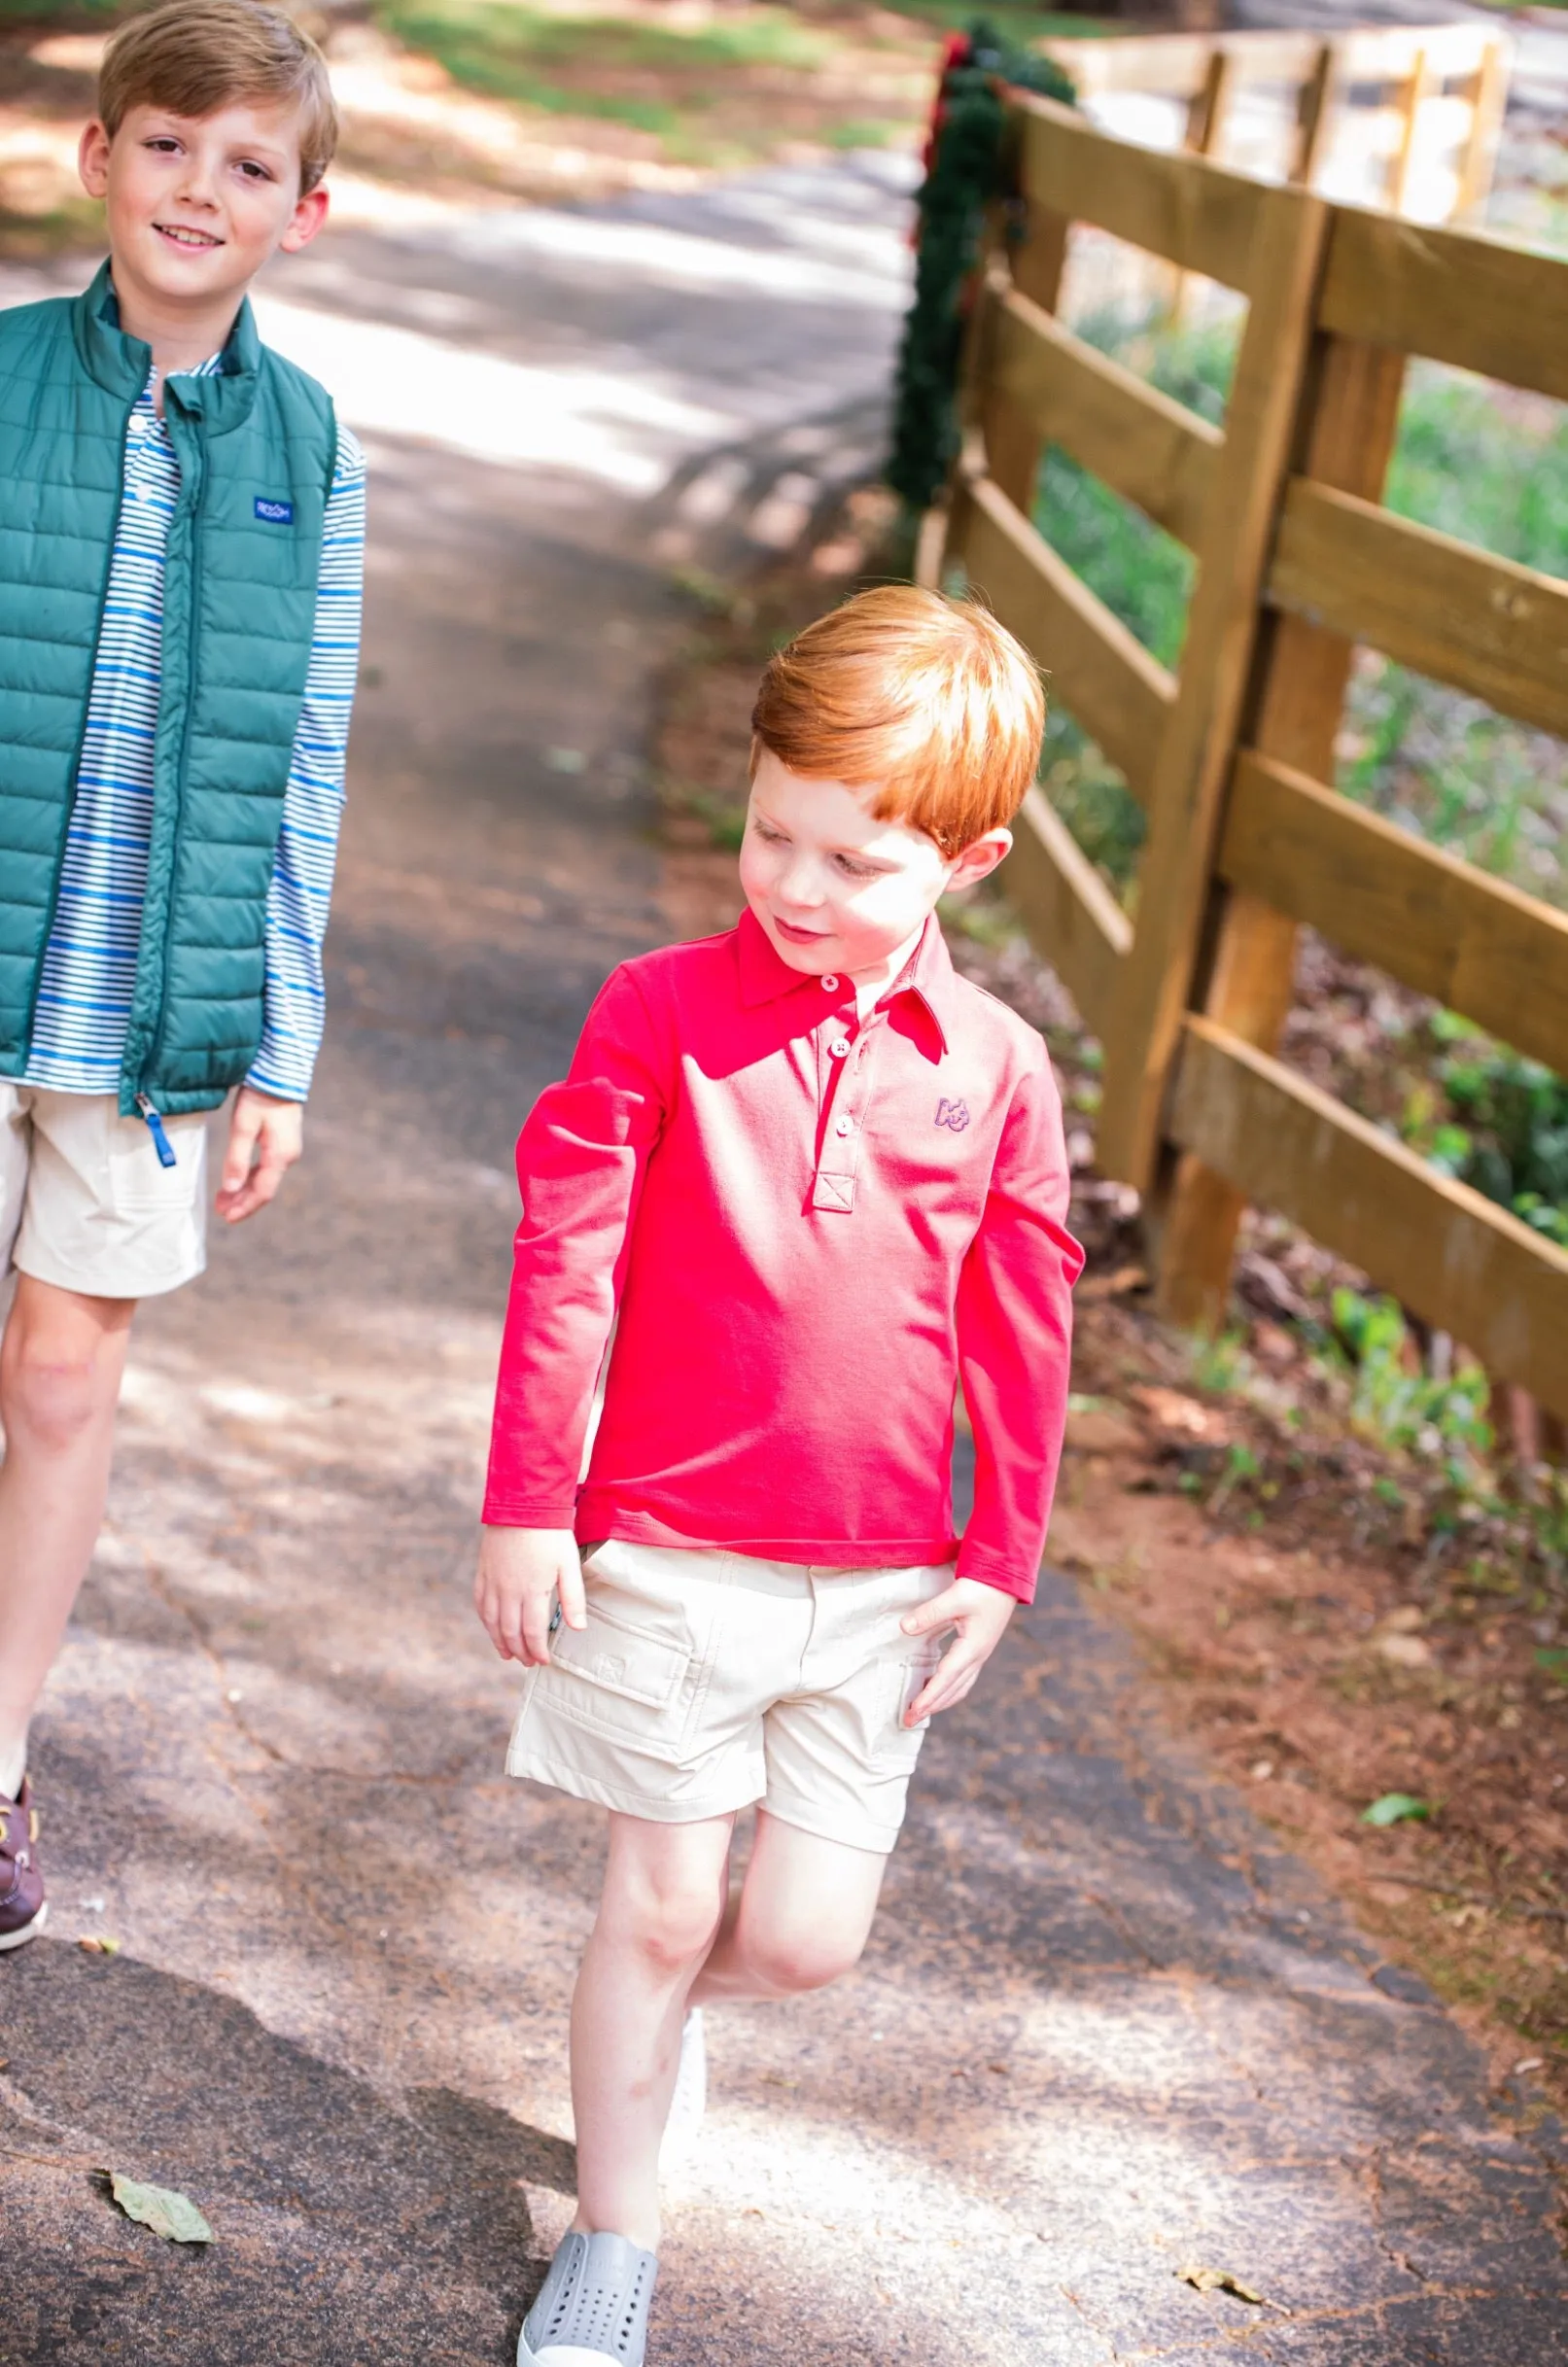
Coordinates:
846	1072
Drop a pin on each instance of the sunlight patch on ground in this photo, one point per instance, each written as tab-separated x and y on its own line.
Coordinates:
593	423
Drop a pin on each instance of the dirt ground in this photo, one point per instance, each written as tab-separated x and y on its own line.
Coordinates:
1326	1643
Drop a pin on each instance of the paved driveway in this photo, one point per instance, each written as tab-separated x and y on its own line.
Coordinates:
1106	2030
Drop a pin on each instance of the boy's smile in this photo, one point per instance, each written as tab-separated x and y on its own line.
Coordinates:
836	889
196	206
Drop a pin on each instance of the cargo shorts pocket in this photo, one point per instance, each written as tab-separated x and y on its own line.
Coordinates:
624	1681
903	1676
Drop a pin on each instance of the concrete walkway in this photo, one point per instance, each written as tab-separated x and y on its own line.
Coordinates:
1105	2032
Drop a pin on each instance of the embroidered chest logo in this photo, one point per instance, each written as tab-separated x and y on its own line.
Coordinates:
954	1114
274	513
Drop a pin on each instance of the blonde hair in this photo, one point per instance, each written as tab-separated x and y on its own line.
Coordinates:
929	698
194	56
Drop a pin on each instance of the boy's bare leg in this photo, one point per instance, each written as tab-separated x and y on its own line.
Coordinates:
800	1919
662	1899
60	1367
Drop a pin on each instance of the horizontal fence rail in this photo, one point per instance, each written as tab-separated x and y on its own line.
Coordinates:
1439	606
1461	1262
1147	447
1231	754
1409	101
1431	921
1194	214
1447	296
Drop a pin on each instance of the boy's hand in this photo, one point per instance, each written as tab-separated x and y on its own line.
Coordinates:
266	1136
980	1613
520	1571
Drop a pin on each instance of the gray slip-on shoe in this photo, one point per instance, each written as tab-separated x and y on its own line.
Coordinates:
23	1908
592	2308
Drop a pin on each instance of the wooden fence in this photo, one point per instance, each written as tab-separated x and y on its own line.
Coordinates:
1437	95
1232	755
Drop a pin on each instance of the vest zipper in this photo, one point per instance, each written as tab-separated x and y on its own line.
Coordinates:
150	1064
81	742
154	1127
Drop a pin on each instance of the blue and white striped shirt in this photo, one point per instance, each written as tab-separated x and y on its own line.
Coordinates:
89	963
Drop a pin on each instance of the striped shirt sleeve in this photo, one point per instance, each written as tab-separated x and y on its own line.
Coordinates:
301	886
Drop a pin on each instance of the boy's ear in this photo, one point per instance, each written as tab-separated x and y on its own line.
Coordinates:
93	159
306	220
980	860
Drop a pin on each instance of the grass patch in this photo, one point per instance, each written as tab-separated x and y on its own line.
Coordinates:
668	81
1481	462
1142	575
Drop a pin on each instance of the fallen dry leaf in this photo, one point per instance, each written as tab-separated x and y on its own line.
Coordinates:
1181	1416
1405	1651
171	2215
1221	2280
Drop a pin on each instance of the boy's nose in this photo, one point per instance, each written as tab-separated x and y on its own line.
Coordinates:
800	886
195	184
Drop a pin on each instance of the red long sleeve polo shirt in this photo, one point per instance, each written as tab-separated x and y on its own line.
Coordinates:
811	1225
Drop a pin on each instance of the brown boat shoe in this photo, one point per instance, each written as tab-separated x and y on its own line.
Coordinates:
24	1907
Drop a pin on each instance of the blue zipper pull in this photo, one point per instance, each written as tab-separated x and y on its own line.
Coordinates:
154	1127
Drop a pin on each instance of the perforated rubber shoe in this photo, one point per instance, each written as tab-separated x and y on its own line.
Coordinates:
592	2308
23	1908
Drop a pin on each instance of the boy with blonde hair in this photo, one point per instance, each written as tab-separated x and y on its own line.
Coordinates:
181	543
813	1180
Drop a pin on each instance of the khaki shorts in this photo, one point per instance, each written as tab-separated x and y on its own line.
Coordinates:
83	1202
707	1680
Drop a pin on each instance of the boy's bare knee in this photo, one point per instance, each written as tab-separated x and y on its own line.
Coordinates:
672	1923
793	1961
53	1390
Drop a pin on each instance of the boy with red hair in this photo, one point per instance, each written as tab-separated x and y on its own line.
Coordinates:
813	1180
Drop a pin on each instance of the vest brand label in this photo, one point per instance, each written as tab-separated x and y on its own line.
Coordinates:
276	513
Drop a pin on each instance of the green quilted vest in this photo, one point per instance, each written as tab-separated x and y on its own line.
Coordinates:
256	446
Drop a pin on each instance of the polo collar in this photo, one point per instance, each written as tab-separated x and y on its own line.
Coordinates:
926	978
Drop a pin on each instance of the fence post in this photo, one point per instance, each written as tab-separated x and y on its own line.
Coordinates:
1412	100
1350	416
1192	769
1314	116
1207	113
1489	102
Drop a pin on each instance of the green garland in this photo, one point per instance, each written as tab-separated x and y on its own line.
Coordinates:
964	173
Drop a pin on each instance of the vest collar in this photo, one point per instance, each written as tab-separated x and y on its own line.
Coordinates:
120	363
